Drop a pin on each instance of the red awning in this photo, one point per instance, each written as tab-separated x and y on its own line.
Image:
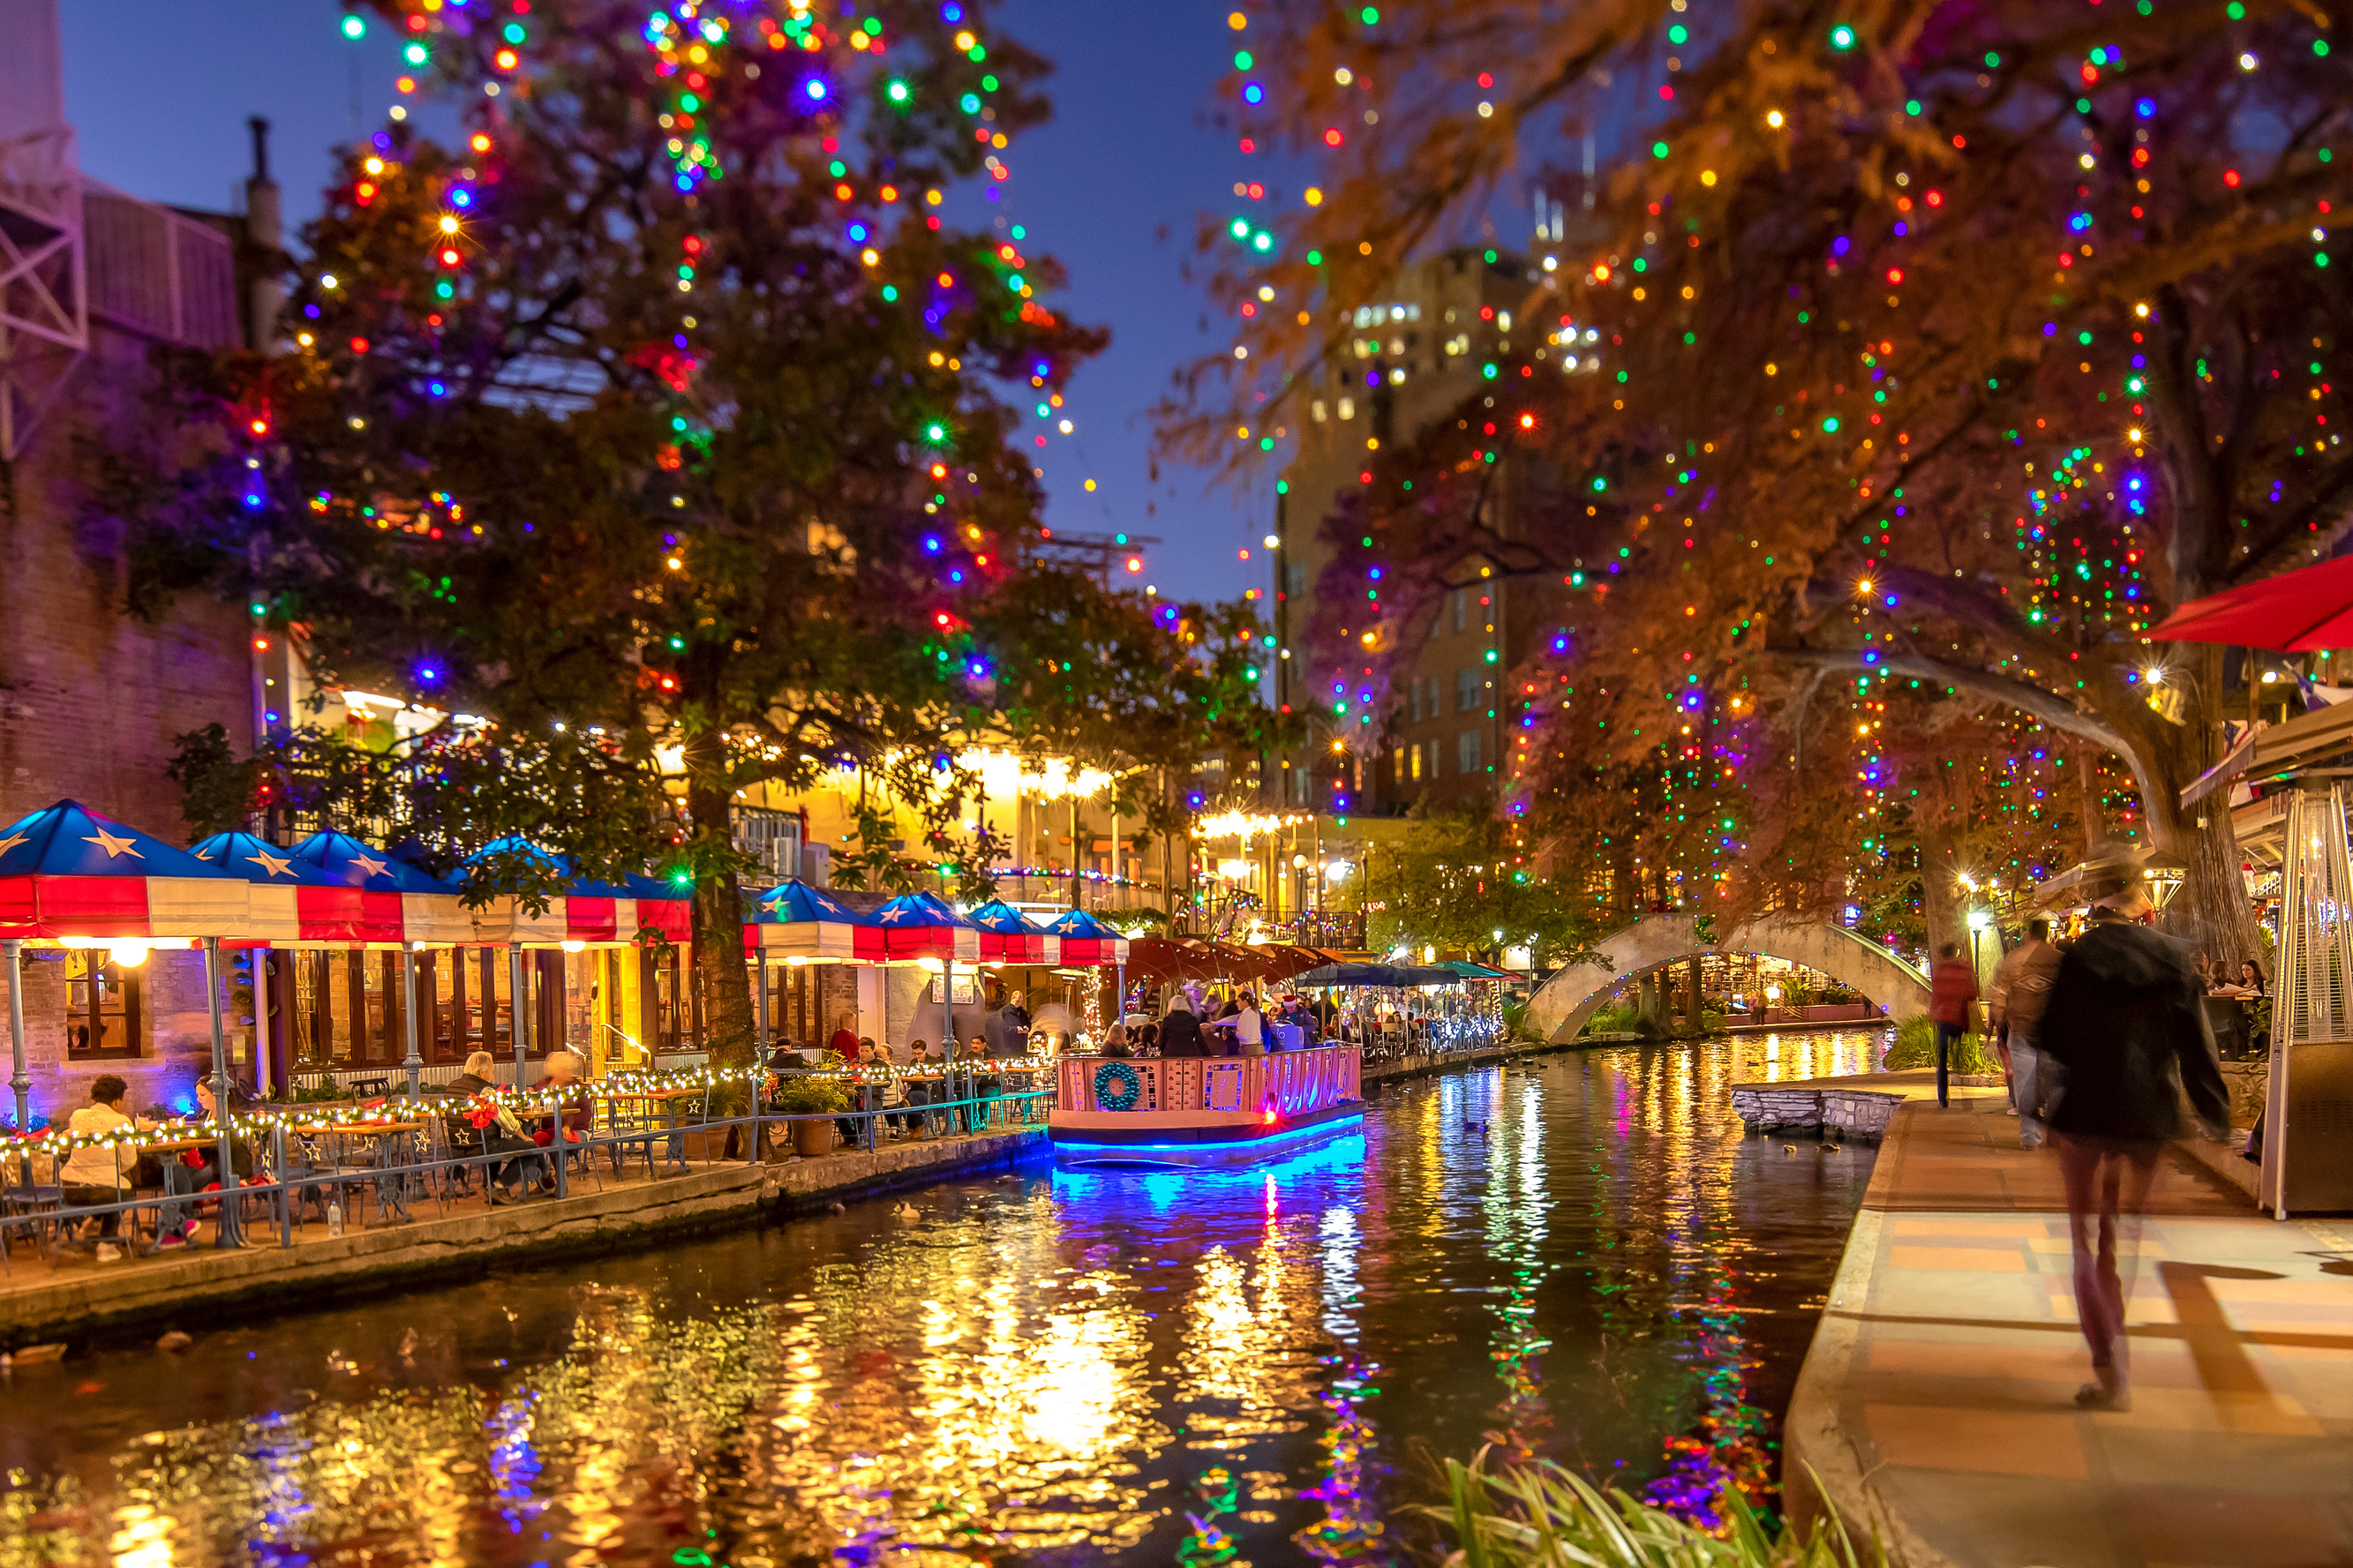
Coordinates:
2296	612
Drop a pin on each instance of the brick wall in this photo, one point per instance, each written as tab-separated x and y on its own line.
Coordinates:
89	699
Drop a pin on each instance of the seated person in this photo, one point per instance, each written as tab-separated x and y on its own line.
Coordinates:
95	1175
198	1169
563	1078
480	1069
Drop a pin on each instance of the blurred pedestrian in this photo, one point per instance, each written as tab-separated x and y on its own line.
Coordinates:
2021	990
1952	991
2123	1035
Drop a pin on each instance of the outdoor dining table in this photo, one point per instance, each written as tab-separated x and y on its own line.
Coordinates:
666	1101
381	1155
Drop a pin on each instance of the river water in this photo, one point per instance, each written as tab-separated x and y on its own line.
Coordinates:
1579	1257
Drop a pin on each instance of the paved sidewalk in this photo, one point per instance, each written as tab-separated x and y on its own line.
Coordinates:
1937	1402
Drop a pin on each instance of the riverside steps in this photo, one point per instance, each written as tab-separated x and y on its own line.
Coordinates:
1936	1405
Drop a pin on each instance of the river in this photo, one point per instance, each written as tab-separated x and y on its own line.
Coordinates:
1578	1257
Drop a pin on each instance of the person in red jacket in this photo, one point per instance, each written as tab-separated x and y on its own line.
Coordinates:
1952	991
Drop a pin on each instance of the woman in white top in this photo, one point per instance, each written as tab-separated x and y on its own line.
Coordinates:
95	1175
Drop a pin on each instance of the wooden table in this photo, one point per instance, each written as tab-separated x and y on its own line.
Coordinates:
379	1132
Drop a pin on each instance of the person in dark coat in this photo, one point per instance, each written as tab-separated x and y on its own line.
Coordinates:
1180	1032
2124	1031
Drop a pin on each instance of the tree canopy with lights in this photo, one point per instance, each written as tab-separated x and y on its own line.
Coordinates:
668	410
1922	346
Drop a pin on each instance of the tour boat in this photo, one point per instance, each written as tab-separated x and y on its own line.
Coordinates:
1203	1111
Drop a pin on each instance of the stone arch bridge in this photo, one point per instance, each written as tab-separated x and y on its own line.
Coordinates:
1563	1003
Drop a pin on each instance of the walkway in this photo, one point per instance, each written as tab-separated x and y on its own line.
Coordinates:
1935	1404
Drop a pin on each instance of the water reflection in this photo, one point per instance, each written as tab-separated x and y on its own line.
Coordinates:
1579	1259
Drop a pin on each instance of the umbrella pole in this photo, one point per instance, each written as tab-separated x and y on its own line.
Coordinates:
412	1063
515	1032
21	1078
760	979
221	1165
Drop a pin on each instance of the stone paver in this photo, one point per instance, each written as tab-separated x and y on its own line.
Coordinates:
1936	1404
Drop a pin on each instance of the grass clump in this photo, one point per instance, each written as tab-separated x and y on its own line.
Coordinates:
1541	1516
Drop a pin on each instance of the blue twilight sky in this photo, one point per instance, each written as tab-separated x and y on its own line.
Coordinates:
160	91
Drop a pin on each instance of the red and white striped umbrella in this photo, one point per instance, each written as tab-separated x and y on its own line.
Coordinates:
1087	941
293	904
398	903
797	920
66	873
921	925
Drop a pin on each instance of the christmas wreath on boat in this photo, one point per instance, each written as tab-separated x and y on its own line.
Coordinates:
1117	1087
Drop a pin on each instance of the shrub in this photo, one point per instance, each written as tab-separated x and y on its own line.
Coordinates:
1610	1018
1544	1517
1915	1046
801	1096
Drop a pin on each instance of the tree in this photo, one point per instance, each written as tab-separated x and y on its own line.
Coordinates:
1928	342
667	410
1458	884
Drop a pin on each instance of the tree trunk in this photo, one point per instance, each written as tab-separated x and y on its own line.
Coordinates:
2210	913
2095	821
1940	890
720	971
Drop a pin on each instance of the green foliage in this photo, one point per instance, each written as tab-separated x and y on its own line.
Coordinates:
1613	1018
1516	1016
1543	1516
1711	1019
447	793
1915	1046
1456	882
801	1096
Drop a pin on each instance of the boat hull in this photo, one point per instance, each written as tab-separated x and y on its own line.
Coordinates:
1165	1140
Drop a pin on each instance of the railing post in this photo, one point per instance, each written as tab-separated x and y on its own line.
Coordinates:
21	1079
221	1098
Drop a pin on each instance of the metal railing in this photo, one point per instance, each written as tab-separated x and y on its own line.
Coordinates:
302	1170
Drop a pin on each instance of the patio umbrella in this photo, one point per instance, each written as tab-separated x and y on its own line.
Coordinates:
399	903
293	904
797	920
1086	941
921	925
68	875
2296	612
1008	936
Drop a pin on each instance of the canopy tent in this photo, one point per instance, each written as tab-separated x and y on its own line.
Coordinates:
794	920
1378	974
69	874
1470	971
1087	941
294	903
916	926
399	903
2302	611
1008	936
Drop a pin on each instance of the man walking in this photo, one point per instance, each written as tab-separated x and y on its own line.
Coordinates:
2123	1035
1952	991
2021	990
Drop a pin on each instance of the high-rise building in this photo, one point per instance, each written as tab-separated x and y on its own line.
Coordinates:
1417	357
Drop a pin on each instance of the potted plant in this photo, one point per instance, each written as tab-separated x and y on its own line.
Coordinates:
813	1098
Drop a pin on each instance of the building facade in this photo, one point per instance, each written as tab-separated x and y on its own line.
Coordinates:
94	283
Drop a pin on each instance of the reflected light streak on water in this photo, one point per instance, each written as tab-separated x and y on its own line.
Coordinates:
1579	1258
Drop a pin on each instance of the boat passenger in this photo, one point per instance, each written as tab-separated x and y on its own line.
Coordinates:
1180	1032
